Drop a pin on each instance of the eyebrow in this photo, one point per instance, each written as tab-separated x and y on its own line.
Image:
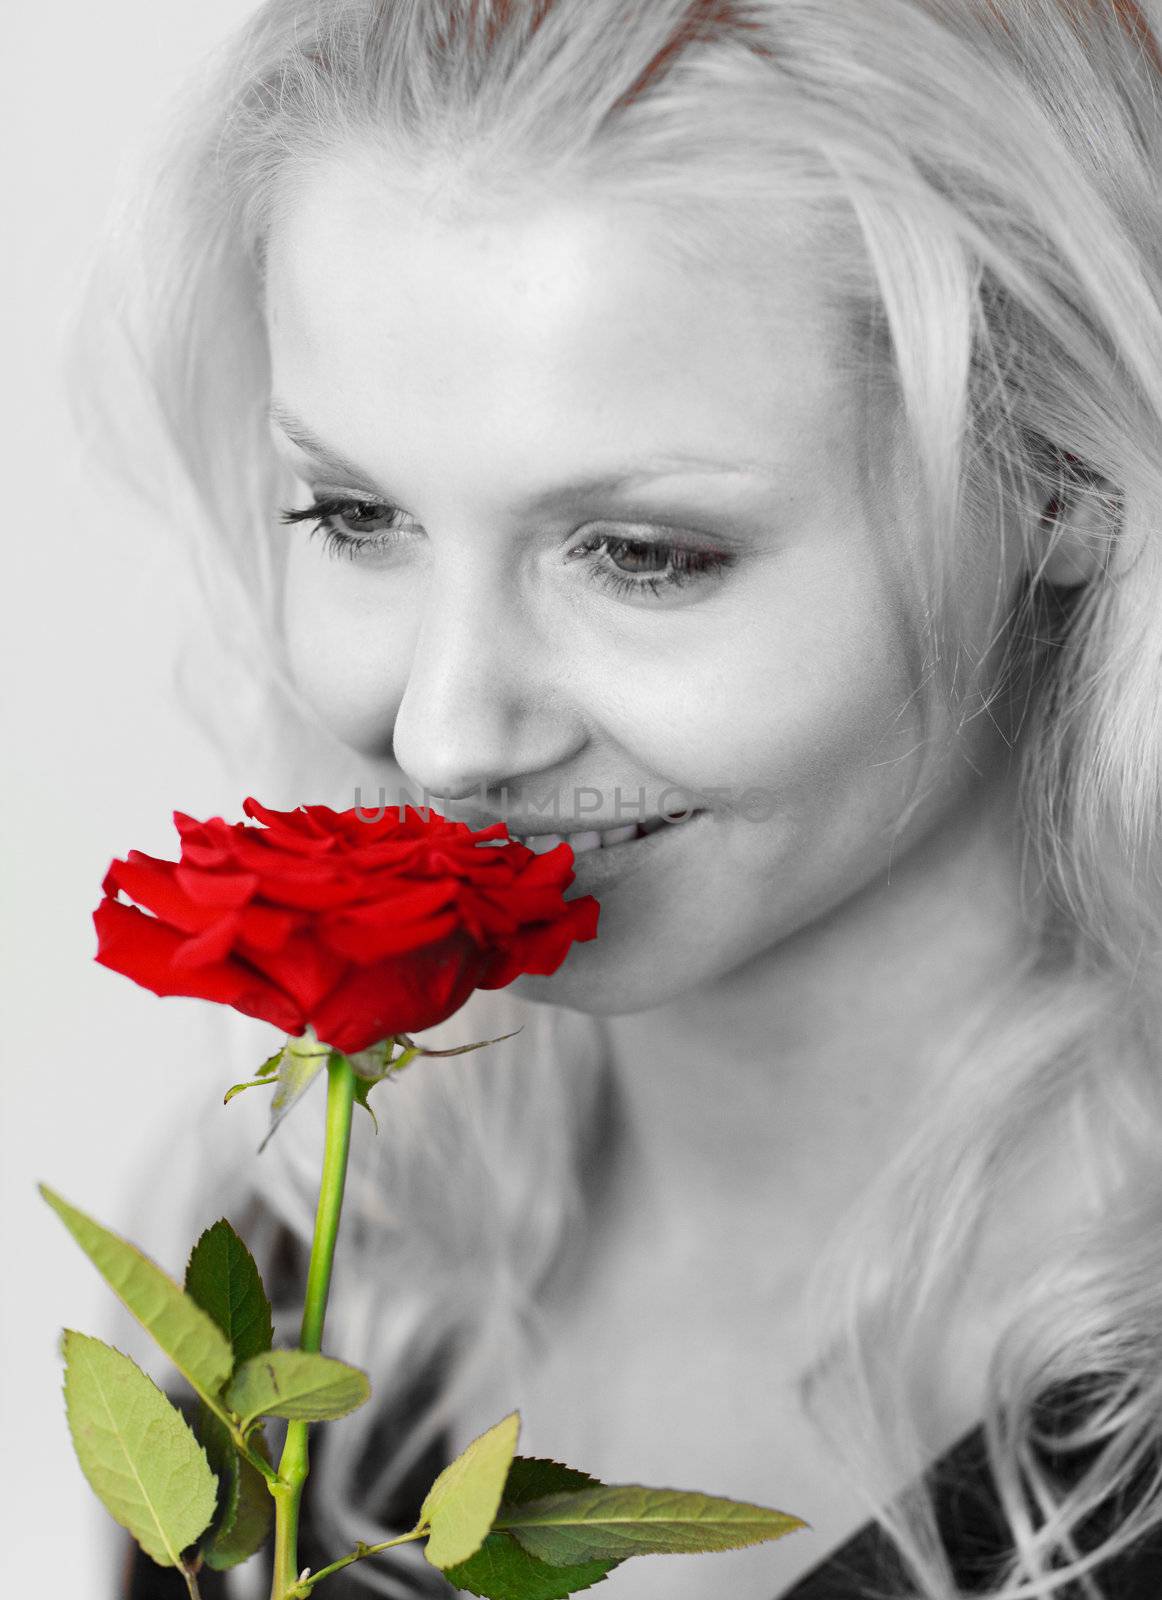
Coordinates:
610	482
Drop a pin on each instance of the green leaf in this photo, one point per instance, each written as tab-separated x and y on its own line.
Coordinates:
299	1064
262	1075
363	1087
628	1519
214	1437
377	1065
373	1062
531	1477
237	1088
459	1507
251	1526
297	1385
242	1520
502	1569
136	1449
223	1279
460	1049
195	1345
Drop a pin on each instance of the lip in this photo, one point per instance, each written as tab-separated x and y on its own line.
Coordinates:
586	825
523	835
522	825
650	824
596	868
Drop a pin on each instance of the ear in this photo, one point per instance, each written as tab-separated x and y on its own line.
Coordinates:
1078	526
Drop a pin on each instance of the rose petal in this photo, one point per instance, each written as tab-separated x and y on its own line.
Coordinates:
266	927
363	928
302	968
142	948
213	945
216	888
396	996
153	885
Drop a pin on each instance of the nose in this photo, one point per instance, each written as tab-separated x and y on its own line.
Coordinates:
484	707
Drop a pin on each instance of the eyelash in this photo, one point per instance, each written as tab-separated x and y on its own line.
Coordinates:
684	564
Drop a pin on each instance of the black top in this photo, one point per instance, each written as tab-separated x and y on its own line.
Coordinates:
975	1536
967	1509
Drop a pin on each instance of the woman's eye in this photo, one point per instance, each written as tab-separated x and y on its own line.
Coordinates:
648	566
634	567
350	527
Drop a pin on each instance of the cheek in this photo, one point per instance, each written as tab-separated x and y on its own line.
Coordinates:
346	655
801	685
804	686
838	705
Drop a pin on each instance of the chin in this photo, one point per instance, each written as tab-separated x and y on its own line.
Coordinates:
591	988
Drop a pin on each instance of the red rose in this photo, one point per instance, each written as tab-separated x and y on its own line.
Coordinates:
361	929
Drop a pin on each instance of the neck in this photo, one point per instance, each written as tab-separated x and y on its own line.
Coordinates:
760	1107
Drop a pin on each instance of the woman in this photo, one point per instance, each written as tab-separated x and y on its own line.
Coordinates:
757	404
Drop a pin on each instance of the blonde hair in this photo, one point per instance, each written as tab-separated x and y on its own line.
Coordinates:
982	177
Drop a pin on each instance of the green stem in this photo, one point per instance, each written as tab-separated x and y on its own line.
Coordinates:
294	1463
301	1590
258	1462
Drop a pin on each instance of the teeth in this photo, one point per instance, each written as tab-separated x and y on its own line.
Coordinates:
580	843
540	842
593	840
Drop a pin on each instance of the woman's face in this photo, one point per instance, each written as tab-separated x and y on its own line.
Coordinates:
632	558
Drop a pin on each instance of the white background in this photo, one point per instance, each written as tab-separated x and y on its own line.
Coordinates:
98	753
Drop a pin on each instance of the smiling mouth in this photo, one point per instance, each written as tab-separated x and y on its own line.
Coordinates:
603	838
